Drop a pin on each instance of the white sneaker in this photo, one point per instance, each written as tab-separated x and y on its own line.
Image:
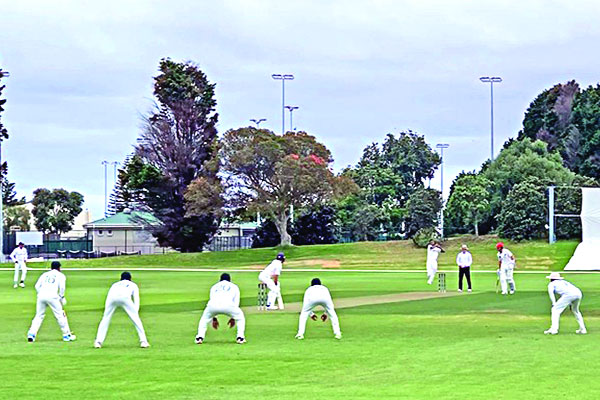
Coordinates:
199	340
338	336
550	332
581	331
469	290
511	292
299	337
504	293
240	340
15	286
272	308
97	345
22	284
459	290
69	338
144	345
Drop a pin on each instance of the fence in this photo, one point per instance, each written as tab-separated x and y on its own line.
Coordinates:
50	247
228	243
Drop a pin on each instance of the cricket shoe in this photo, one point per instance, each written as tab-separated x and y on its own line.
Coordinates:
97	345
144	345
469	290
22	284
30	337
300	337
240	340
511	292
338	336
581	331
199	340
271	308
459	290
15	286
69	338
550	332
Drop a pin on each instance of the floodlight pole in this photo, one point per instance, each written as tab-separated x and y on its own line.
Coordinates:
491	81
551	235
283	78
105	163
442	146
291	108
3	74
258	121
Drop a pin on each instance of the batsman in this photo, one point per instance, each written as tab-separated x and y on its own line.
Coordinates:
270	277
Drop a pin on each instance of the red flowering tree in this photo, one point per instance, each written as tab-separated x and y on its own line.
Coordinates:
266	172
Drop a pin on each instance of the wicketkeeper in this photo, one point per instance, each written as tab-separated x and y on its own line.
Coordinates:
318	295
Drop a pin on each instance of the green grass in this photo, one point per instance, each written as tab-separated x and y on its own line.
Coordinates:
533	255
471	346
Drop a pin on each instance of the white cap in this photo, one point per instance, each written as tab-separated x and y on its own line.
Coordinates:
554	275
464	247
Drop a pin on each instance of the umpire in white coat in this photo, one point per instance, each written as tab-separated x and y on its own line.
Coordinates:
464	259
126	295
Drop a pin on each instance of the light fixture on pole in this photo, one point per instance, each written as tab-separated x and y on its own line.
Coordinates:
115	163
291	108
283	78
3	74
258	121
105	163
442	146
491	80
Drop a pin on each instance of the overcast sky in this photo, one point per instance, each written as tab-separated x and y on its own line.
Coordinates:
81	73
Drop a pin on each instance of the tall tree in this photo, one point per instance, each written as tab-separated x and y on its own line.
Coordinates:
270	173
179	141
470	200
55	210
9	194
16	216
423	209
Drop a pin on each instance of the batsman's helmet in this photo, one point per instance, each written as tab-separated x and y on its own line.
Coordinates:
280	256
499	245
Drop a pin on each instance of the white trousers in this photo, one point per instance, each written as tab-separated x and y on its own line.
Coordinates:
506	279
274	290
212	310
432	268
56	307
560	306
20	266
130	309
307	307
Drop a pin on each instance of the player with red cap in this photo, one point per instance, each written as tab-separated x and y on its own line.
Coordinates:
506	266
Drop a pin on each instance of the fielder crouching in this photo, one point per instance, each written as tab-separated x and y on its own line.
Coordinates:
318	295
224	299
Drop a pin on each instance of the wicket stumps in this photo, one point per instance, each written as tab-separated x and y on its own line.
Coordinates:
262	296
442	282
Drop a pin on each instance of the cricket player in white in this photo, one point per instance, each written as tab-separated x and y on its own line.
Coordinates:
270	277
570	295
126	295
50	289
19	257
318	295
433	251
506	266
224	299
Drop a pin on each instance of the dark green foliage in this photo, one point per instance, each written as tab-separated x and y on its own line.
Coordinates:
176	148
524	212
359	220
9	194
469	201
424	236
3	130
16	216
423	208
54	211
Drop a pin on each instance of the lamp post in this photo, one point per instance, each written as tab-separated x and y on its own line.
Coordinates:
258	121
442	146
282	78
291	108
3	74
491	80
105	163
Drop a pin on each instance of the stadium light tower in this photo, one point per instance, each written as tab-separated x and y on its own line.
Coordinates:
491	80
291	108
258	121
442	146
3	74
283	78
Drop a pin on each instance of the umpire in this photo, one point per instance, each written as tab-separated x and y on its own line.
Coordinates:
464	261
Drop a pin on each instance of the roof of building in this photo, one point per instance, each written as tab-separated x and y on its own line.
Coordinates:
132	219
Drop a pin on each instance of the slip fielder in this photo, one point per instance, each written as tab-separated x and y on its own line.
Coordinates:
570	295
19	257
317	295
224	299
126	295
270	277
50	289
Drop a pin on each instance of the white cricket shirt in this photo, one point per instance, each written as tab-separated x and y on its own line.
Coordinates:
225	293
562	288
464	259
51	284
274	268
125	289
506	258
433	253
19	254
